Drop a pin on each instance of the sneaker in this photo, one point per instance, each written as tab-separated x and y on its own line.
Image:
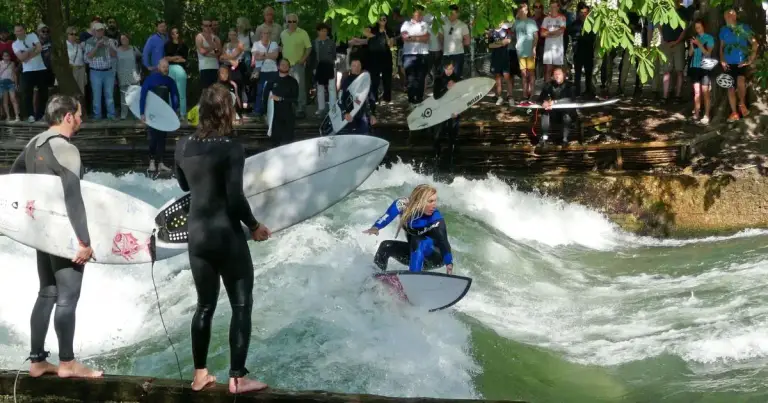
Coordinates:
511	101
743	109
151	166
499	101
734	117
31	119
162	167
704	120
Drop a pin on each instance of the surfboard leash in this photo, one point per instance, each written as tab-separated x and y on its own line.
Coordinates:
153	256
17	379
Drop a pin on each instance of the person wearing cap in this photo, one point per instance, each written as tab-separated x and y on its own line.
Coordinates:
34	74
498	41
99	51
44	33
154	48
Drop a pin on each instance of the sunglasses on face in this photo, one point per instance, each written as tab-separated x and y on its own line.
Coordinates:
292	21
206	25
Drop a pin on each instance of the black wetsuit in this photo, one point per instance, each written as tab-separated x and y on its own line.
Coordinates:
211	169
561	93
446	130
60	279
361	122
284	119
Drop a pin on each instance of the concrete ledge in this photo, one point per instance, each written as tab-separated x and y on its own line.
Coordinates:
114	388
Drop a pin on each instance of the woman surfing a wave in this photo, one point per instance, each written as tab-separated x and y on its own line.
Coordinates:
427	245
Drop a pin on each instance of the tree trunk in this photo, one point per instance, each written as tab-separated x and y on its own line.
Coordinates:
54	18
173	12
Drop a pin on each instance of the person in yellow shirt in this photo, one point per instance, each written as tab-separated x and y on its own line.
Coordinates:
296	48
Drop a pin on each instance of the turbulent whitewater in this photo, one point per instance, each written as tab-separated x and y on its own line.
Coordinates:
564	306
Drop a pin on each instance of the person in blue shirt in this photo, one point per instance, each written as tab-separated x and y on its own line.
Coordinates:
735	39
363	120
161	84
427	245
154	48
702	45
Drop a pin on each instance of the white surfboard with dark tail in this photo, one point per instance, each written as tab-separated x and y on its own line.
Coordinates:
459	98
429	290
289	184
33	213
334	121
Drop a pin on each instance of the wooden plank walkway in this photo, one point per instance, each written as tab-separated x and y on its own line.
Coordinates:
481	147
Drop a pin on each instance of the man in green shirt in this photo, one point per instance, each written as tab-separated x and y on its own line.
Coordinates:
296	48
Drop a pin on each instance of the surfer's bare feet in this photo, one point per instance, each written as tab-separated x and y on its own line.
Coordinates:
243	385
202	380
41	368
73	369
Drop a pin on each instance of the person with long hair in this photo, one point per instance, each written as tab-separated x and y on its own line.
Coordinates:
209	164
427	245
702	45
177	53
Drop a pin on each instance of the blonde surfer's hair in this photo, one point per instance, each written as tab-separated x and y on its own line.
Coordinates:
417	203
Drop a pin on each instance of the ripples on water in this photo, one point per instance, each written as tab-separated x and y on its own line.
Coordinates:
548	274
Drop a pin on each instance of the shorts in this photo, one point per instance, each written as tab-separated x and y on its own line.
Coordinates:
735	71
514	63
7	85
324	72
675	57
699	75
527	63
554	53
500	61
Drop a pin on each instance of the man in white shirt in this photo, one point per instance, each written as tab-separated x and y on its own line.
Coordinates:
454	36
28	50
552	29
415	34
435	56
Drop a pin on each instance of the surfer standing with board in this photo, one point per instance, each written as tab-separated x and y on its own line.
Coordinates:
207	162
285	94
51	153
161	84
556	91
450	128
427	246
362	121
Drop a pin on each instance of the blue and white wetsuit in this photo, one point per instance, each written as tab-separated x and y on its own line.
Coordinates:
427	246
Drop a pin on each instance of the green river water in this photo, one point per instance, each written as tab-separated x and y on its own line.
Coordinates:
564	306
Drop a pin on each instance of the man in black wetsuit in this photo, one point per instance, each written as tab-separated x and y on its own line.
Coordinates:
285	94
450	128
363	120
209	164
556	91
50	153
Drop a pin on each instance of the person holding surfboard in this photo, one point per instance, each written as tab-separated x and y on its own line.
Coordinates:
449	128
161	84
285	93
206	163
427	245
362	121
51	153
556	91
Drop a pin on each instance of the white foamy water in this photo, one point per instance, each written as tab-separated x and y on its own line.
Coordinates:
545	272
